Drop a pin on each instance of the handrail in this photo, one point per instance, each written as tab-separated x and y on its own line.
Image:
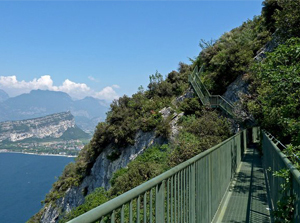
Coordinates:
280	143
275	160
186	184
205	97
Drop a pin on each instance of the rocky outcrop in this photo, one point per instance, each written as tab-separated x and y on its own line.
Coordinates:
236	89
174	127
52	126
269	47
236	93
100	175
188	94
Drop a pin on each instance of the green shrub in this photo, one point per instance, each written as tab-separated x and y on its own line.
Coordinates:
114	155
199	134
190	106
276	89
231	55
283	16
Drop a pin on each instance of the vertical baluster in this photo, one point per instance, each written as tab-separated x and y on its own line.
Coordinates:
145	207
102	220
175	198
184	194
187	193
122	214
193	193
130	212
138	209
160	202
198	192
112	217
172	216
151	211
168	200
178	197
181	196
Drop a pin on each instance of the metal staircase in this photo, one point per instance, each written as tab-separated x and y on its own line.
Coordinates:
213	101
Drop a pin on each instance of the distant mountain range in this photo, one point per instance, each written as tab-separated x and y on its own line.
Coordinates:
59	125
87	112
3	96
55	134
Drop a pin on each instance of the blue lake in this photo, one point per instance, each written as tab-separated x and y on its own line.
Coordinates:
24	182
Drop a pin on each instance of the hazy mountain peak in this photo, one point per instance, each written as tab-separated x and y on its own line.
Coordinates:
3	96
88	111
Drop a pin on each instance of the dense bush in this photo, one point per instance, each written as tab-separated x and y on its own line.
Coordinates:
276	91
199	134
231	55
191	106
283	16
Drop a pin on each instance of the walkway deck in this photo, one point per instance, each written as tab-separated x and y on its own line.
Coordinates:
247	199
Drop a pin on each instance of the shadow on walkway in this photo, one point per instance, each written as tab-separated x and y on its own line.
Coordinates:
248	201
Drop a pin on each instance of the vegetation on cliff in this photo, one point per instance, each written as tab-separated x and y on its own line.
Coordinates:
274	100
225	59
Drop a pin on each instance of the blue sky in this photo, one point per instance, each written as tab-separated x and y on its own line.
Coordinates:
106	49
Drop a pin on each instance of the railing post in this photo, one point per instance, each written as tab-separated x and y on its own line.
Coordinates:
160	203
245	139
192	193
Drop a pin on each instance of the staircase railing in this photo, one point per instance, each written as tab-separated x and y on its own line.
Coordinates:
214	101
190	192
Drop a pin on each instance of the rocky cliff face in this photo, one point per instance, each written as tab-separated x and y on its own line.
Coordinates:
101	173
52	126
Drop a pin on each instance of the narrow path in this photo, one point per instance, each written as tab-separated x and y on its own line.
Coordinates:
247	199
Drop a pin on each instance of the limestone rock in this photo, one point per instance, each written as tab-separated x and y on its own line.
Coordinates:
48	126
101	174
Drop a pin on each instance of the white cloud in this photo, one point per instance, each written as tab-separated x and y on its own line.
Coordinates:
107	93
13	87
115	86
93	79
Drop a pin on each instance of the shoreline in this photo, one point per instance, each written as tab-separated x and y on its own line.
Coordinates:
38	154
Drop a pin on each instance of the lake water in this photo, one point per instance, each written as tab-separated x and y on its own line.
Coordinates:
24	182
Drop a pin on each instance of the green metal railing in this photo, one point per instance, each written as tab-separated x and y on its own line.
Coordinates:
275	160
214	101
190	192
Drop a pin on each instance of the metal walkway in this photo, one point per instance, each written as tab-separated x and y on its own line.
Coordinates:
247	199
193	191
